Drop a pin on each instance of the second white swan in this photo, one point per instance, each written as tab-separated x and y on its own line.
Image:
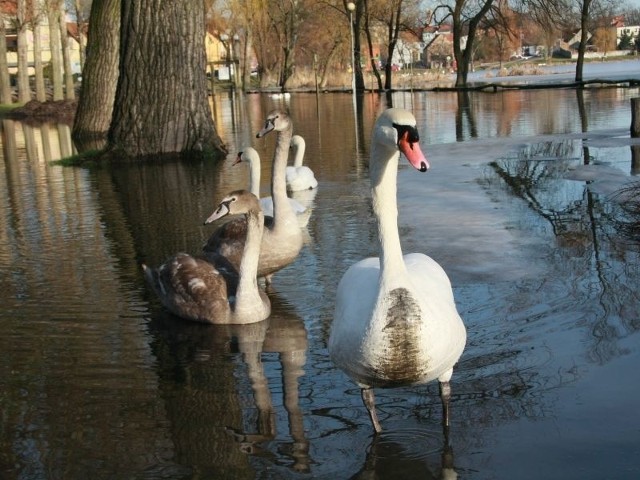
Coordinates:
299	177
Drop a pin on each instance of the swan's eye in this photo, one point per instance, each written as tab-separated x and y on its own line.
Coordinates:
411	133
226	203
271	122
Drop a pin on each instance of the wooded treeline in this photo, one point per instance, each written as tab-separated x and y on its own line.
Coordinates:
285	38
144	89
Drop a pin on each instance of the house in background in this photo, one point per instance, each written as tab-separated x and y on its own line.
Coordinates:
219	56
76	38
622	29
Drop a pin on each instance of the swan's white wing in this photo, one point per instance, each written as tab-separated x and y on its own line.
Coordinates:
302	213
300	178
444	332
355	299
428	276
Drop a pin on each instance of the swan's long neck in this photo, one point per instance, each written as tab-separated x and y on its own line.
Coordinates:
282	210
254	176
384	172
299	155
248	295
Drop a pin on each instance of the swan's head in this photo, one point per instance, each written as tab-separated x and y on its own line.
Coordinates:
396	128
235	203
249	155
277	120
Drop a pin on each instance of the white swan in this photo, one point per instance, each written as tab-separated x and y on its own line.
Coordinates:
299	177
211	290
395	320
280	96
250	155
282	239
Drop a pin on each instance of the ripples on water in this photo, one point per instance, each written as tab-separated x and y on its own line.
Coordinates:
96	380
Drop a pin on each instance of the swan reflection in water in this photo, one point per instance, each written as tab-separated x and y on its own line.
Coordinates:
210	370
387	457
286	336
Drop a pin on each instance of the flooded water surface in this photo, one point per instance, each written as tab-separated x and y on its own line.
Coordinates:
98	381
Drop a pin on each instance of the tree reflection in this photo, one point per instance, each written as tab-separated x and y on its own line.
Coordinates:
635	159
597	263
465	112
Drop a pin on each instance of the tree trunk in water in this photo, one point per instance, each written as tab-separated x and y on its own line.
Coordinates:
246	63
99	77
161	104
357	47
387	75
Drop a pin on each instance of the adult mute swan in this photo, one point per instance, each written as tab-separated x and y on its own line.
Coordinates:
212	291
395	320
282	238
250	155
299	177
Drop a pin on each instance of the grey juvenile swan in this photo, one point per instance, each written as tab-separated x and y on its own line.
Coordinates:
211	290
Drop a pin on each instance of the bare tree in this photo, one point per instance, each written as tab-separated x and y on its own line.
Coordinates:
466	17
53	16
24	90
549	16
285	21
36	21
357	18
80	7
69	88
589	13
372	59
583	7
5	82
390	15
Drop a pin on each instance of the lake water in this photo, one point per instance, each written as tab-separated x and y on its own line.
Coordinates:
98	381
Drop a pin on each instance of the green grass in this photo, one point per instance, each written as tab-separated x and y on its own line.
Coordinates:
7	107
87	159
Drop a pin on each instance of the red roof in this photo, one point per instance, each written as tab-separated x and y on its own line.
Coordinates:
9	7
